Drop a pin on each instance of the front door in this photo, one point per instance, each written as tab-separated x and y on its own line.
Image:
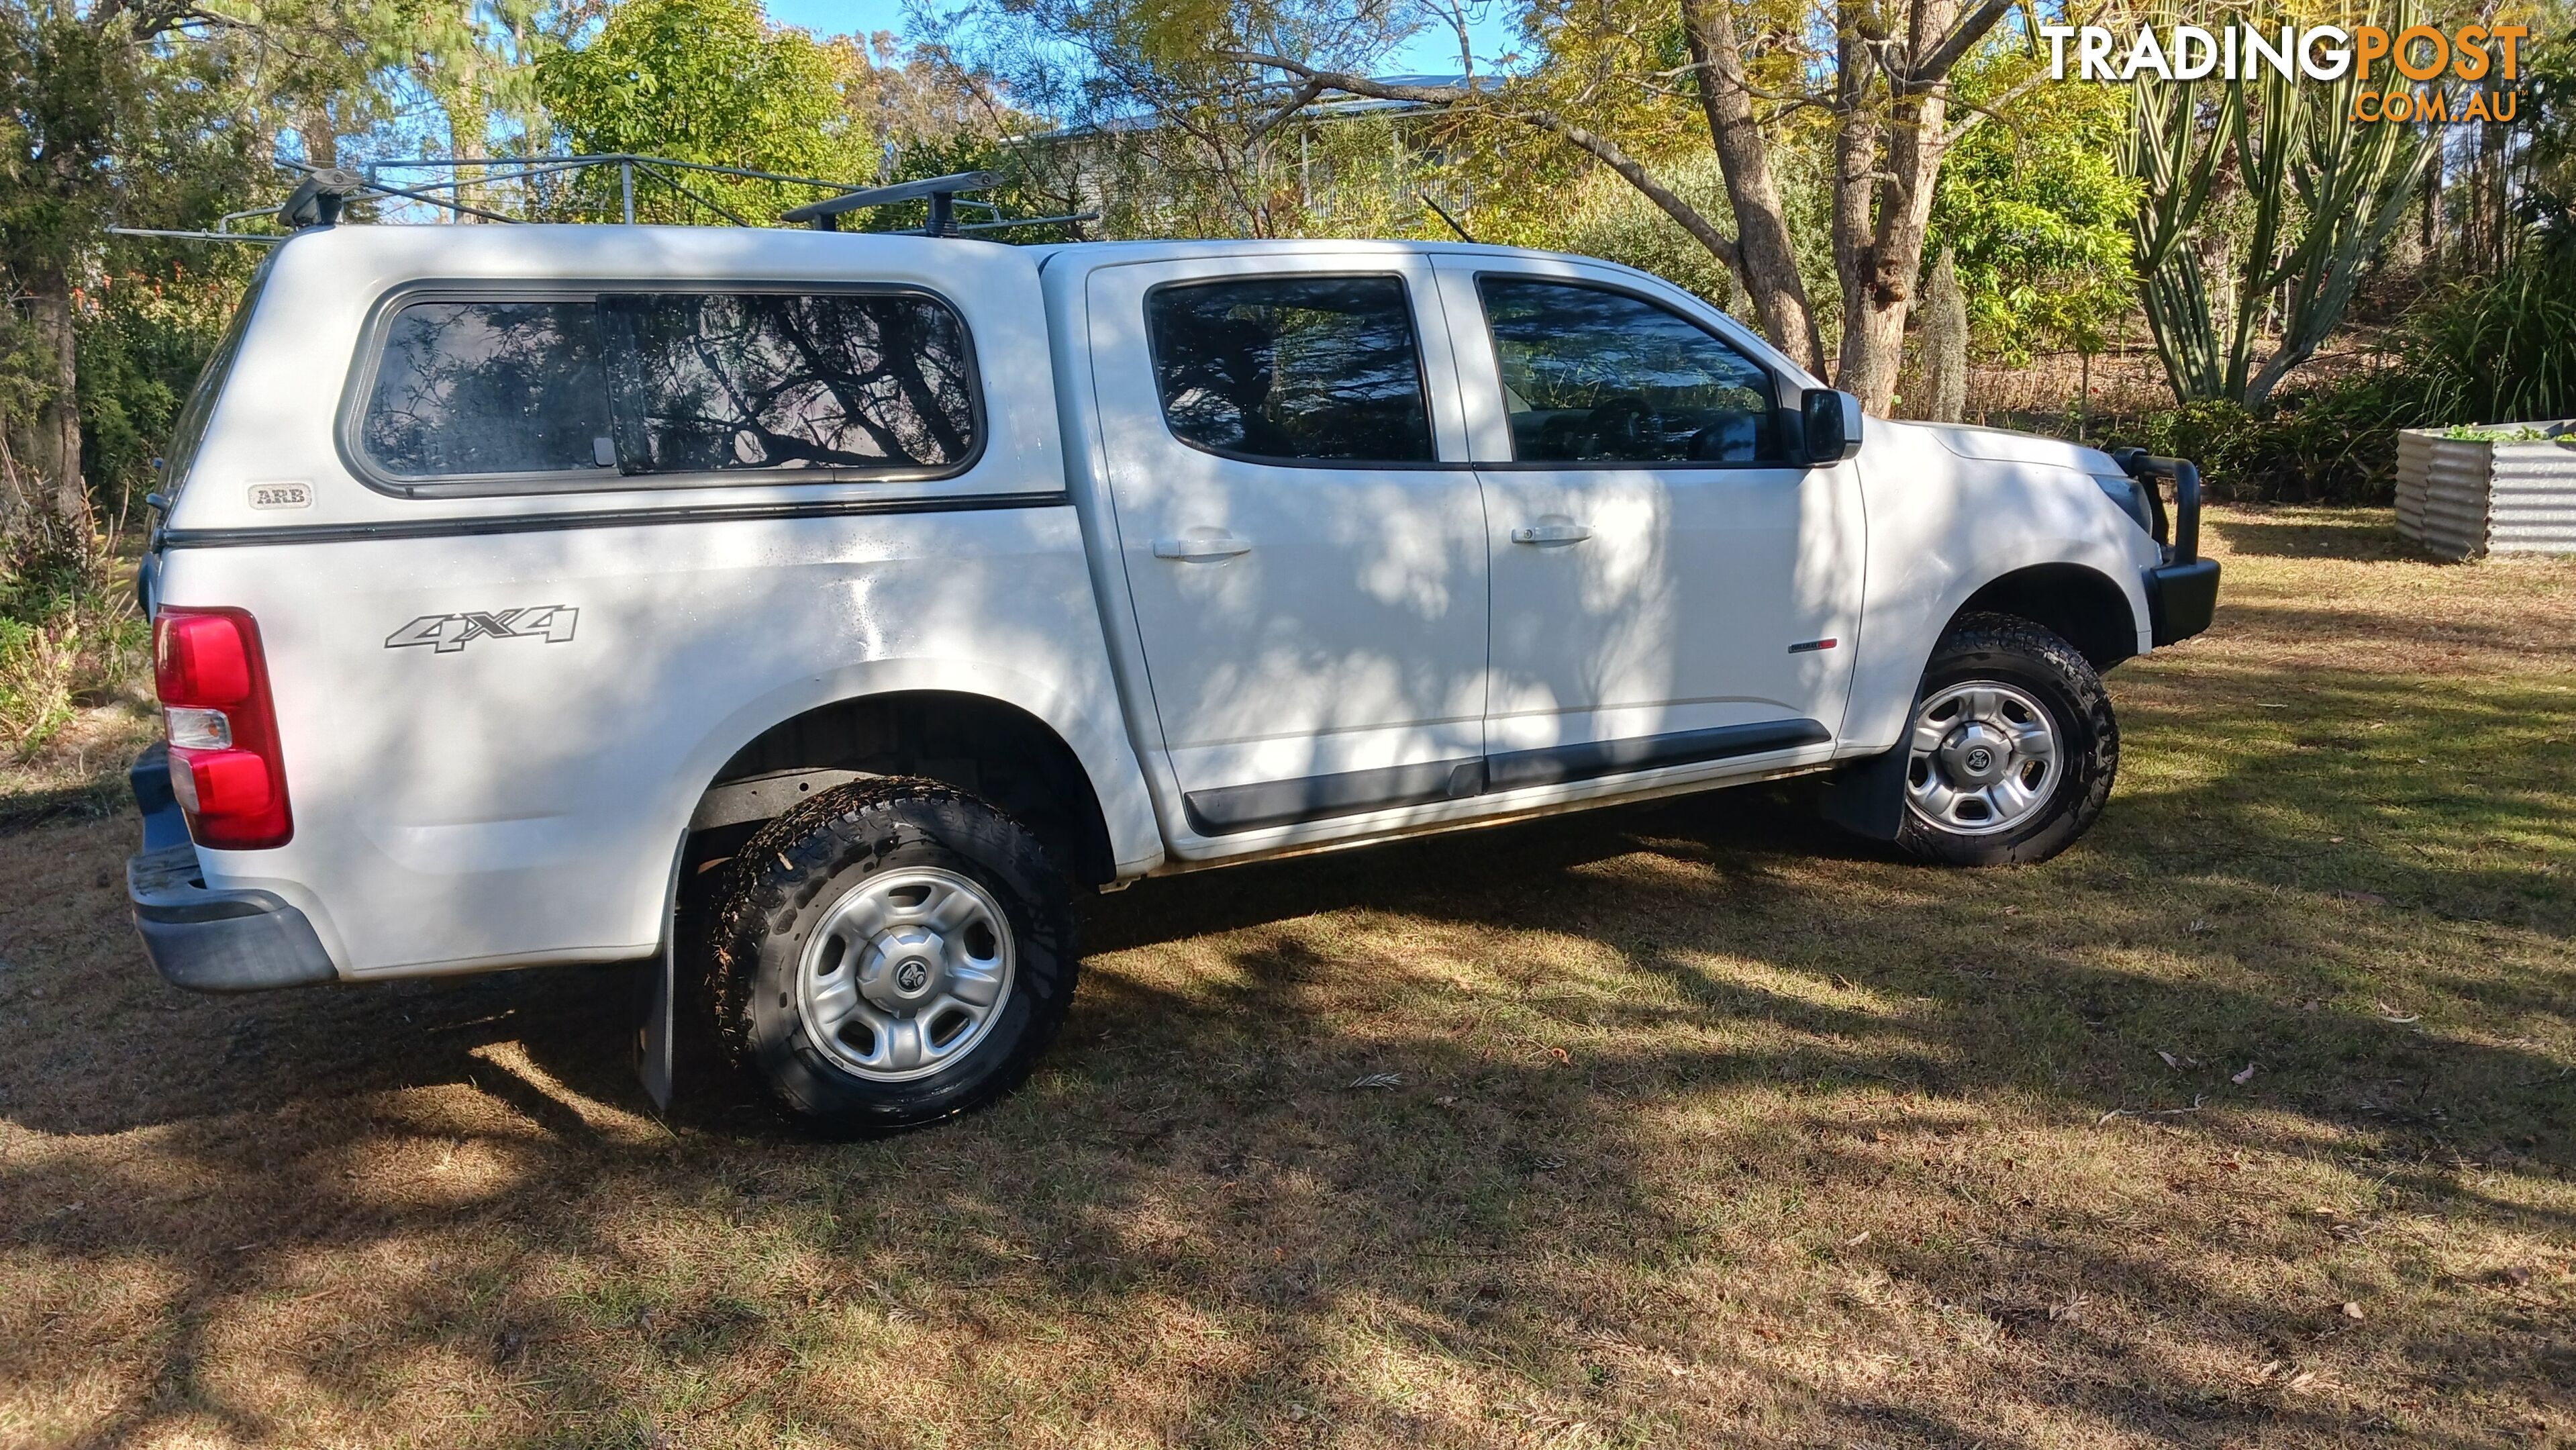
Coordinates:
1303	539
1669	589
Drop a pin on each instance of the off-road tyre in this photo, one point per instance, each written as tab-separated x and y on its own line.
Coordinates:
795	870
2039	666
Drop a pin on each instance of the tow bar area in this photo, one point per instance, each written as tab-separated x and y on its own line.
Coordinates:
201	939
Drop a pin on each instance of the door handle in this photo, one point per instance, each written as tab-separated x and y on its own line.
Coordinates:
1201	550
1551	534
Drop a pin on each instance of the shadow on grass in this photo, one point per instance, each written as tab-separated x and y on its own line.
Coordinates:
1571	1130
2355	535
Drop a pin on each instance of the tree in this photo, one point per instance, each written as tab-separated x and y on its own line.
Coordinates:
153	113
84	95
2037	212
2263	197
709	81
1875	74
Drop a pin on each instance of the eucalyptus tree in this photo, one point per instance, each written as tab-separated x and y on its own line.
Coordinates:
1870	81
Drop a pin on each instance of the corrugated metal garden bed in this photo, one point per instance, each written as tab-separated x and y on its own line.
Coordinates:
2505	489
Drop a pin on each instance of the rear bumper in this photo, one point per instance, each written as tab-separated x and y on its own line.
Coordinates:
201	939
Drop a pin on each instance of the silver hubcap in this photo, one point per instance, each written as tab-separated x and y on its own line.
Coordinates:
1983	759
905	974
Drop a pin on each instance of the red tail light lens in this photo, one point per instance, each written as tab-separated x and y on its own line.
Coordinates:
224	764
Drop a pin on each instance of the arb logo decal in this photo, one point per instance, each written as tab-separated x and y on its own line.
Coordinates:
448	633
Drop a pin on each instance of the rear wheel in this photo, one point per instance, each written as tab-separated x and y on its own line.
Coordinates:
2012	747
891	953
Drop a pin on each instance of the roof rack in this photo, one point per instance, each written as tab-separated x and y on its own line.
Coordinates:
942	193
322	192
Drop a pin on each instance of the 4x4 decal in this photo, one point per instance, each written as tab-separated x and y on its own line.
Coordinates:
448	633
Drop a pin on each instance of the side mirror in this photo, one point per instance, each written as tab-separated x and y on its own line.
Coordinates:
1830	422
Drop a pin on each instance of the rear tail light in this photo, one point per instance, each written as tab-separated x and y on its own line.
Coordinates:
224	764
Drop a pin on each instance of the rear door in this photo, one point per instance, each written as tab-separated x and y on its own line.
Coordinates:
1669	590
1303	539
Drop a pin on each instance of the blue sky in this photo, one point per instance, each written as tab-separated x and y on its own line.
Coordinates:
1430	53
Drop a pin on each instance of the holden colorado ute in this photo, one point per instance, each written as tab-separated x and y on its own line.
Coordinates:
514	582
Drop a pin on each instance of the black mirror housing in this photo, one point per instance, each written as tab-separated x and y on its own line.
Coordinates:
1829	424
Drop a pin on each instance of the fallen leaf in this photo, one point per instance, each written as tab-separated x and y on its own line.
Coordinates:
1444	1102
2299	1382
1379	1080
2351	1310
2242	1078
1856	1240
2170	1060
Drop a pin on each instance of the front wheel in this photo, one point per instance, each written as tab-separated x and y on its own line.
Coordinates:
2012	747
891	953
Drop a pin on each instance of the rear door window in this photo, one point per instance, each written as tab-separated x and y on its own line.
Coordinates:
580	391
1292	368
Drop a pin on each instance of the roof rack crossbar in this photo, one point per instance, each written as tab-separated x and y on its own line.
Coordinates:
824	215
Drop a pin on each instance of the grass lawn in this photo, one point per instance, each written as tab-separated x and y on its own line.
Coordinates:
2249	1121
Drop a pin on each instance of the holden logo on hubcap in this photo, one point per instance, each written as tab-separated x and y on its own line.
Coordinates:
1980	758
911	975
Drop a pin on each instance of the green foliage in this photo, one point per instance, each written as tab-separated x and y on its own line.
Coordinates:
141	344
68	632
37	668
707	81
2039	213
1599	215
2336	443
2498	349
2319	194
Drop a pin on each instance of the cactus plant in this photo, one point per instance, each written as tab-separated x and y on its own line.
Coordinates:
2320	190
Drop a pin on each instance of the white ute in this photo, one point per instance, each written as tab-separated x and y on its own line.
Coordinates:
522	591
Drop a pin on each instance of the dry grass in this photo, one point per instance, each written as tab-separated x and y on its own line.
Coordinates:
1710	1130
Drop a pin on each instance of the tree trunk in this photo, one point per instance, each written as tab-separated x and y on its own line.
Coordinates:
1945	345
1856	136
1874	313
2430	236
321	141
1769	260
54	445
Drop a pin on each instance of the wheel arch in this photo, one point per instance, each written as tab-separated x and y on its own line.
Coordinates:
2075	602
995	749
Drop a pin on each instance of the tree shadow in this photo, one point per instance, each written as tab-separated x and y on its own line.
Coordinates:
1640	1051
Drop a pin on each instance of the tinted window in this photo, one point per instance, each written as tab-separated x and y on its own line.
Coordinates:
490	387
726	381
1596	376
1282	367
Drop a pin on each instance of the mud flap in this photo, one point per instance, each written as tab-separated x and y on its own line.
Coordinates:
1867	797
657	999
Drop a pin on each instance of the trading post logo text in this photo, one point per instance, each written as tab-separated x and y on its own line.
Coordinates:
2489	55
